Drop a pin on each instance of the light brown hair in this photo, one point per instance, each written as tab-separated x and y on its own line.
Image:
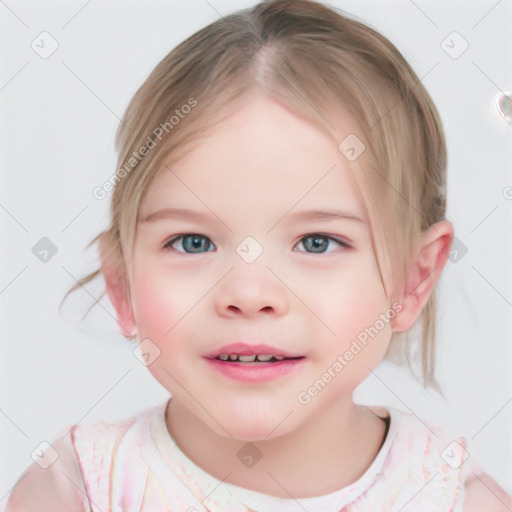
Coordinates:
311	59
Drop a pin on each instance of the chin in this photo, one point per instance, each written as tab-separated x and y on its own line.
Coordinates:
251	426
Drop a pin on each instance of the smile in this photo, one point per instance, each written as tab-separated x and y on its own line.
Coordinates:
255	368
257	358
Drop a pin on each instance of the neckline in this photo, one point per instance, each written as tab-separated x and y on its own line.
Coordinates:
201	483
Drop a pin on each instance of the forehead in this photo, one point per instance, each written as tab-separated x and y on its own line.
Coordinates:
260	157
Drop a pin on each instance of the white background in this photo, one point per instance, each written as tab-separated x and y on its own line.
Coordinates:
58	119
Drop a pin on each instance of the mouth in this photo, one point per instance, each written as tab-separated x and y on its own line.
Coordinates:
252	353
253	363
254	359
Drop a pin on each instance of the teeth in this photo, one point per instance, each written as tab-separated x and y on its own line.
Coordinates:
247	359
264	357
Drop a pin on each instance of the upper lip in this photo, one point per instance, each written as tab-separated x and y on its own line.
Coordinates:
244	349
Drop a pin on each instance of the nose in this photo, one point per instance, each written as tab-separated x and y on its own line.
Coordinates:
250	290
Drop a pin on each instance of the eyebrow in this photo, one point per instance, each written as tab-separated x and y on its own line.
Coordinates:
183	213
174	213
327	214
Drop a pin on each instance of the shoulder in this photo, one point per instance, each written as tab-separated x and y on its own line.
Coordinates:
80	472
482	493
56	487
450	456
97	448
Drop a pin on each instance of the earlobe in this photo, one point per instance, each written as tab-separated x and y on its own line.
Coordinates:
425	270
117	292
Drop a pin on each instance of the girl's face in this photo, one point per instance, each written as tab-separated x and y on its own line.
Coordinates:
249	263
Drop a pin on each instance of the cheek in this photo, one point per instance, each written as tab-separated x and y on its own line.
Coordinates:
153	306
353	301
354	311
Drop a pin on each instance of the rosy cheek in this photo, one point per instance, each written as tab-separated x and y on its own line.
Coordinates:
358	307
152	307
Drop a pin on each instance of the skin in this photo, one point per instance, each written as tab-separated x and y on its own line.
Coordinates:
257	166
261	165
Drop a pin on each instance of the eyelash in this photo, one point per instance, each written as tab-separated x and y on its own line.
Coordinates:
168	245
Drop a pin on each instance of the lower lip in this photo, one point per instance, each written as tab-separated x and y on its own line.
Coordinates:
257	372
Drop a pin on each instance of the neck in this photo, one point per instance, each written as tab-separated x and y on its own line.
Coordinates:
335	447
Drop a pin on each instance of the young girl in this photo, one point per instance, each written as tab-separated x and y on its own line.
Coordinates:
278	223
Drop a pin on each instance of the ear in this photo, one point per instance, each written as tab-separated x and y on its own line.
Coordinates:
117	289
424	272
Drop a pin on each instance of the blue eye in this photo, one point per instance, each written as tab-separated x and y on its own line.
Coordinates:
319	243
196	244
193	244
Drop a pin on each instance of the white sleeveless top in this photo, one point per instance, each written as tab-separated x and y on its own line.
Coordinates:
135	465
